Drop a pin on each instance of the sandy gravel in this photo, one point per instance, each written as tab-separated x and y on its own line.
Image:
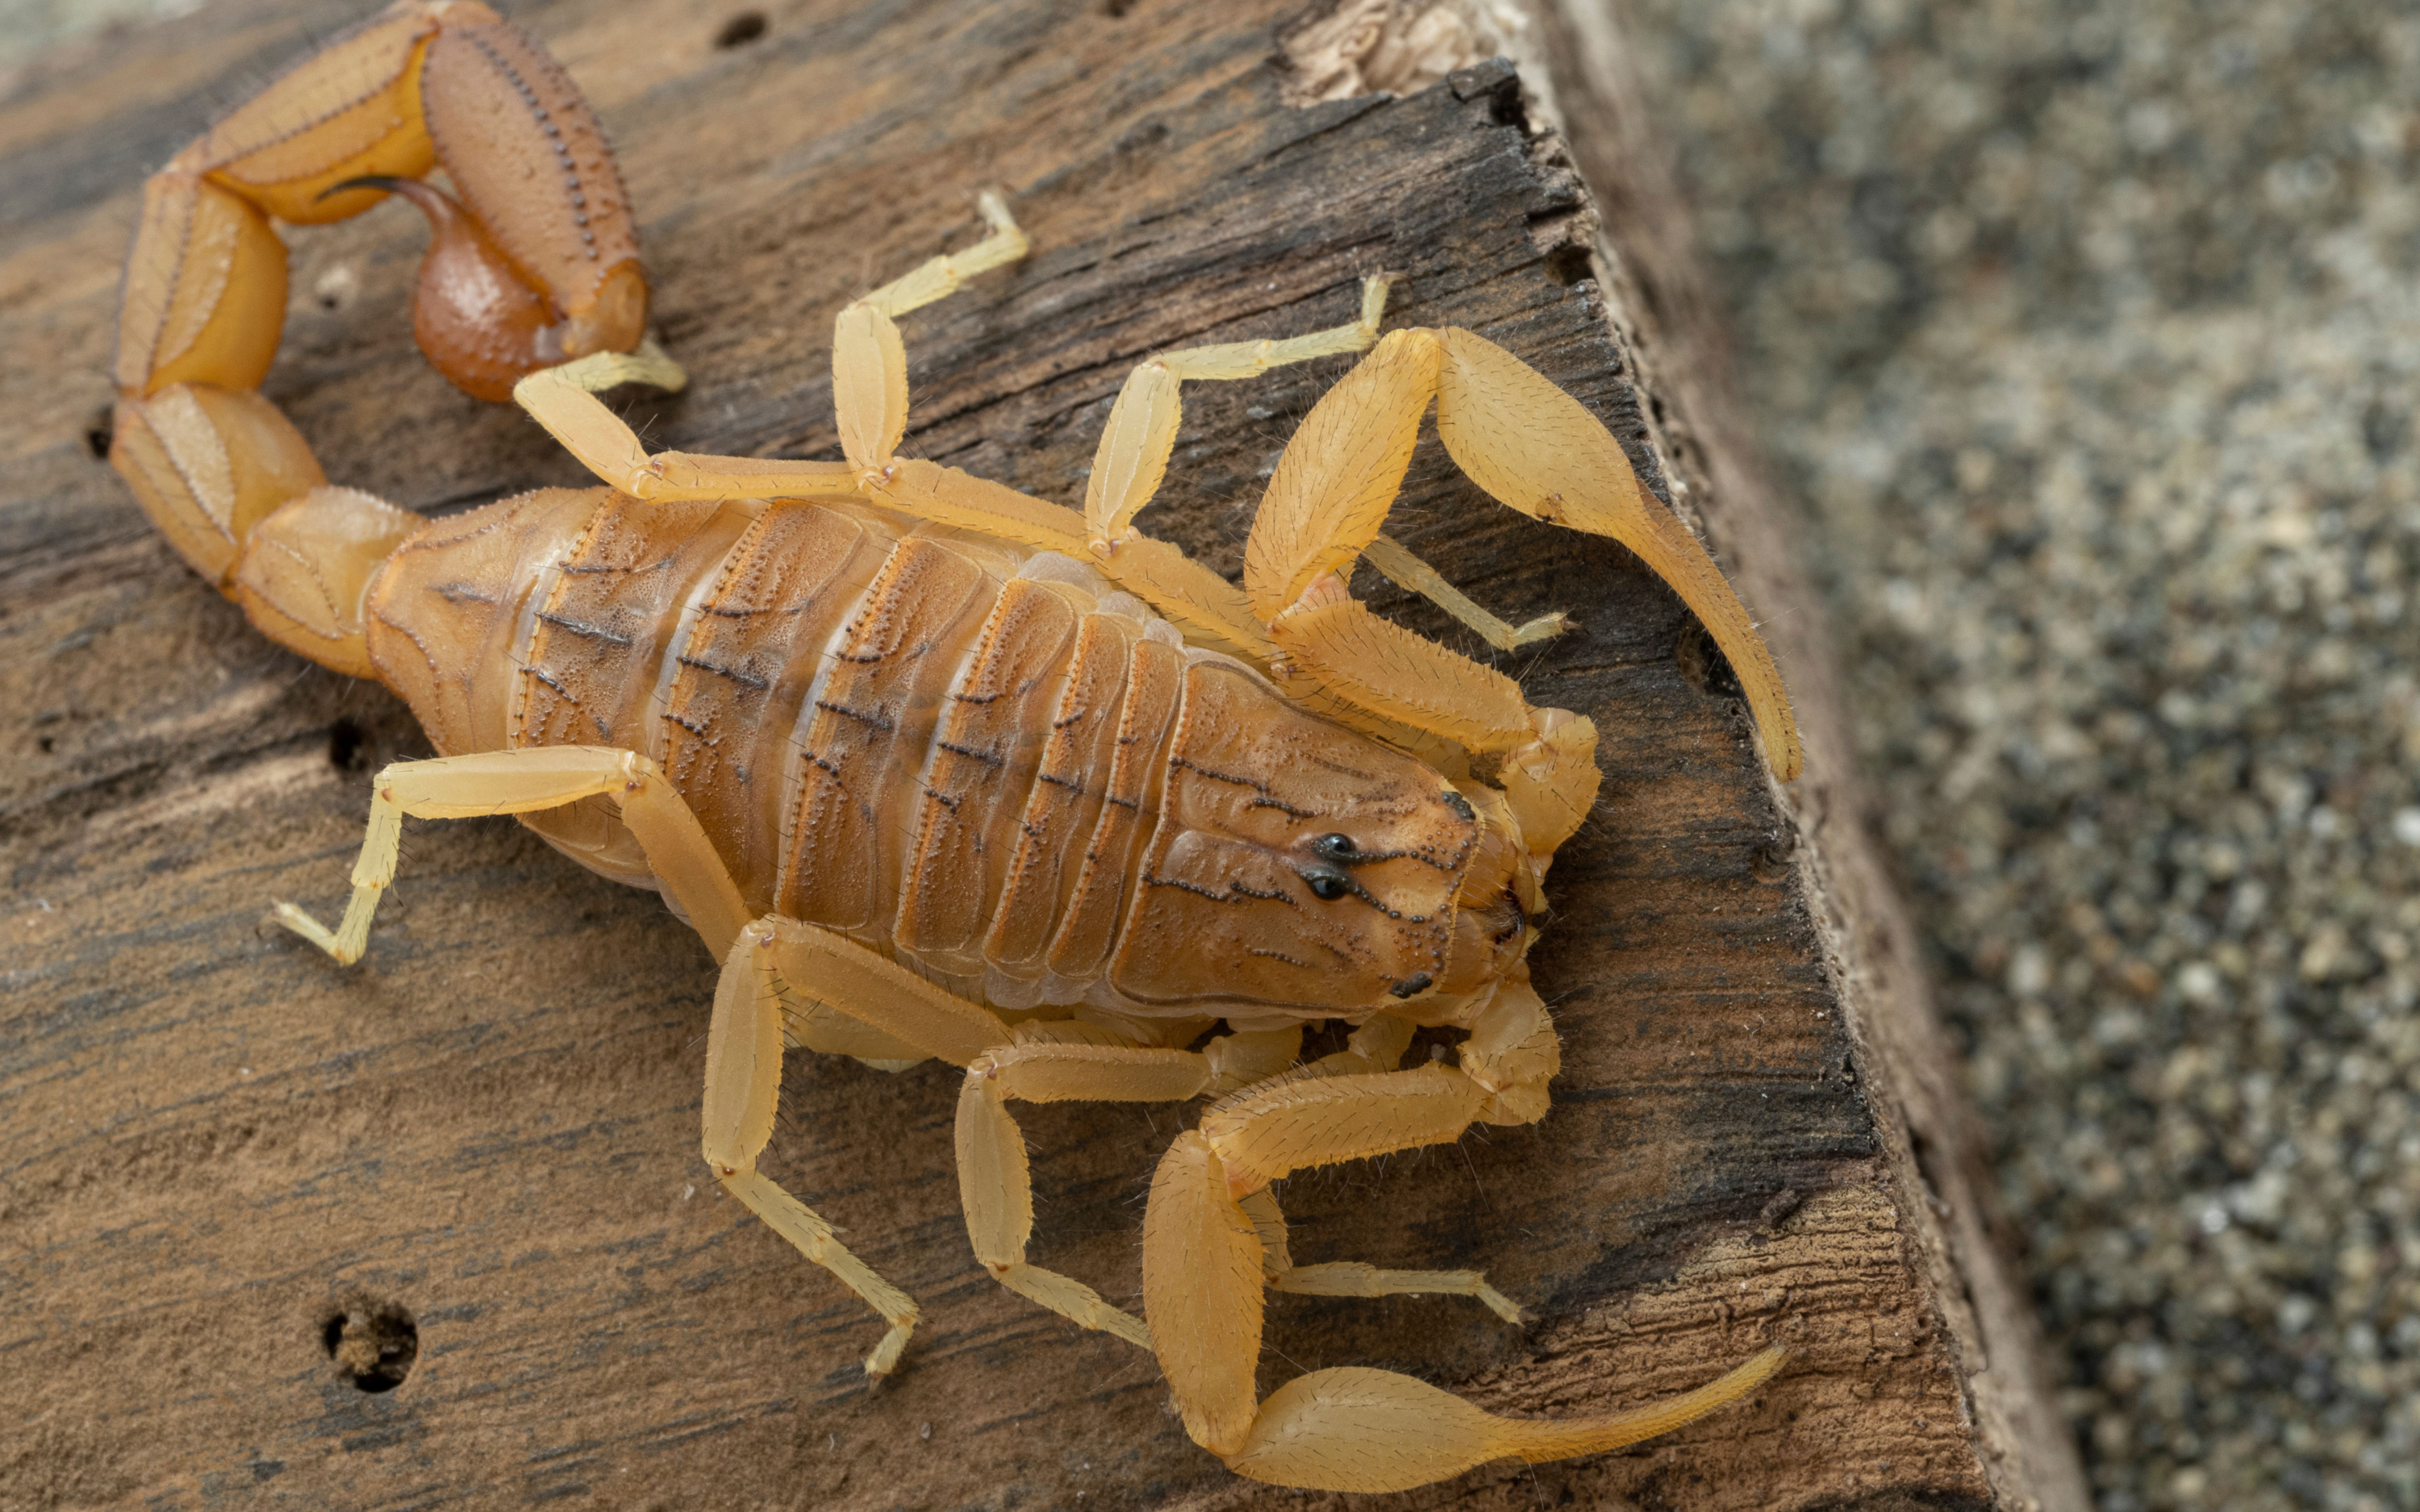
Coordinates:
2088	336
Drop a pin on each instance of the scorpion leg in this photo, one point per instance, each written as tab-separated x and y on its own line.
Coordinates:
743	1086
1352	1278
744	1041
1133	458
1395	561
1206	1260
524	781
1376	1047
564	400
870	363
1042	1062
869	392
995	1183
1142	432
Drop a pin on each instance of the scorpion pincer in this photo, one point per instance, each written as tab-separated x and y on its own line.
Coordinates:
937	769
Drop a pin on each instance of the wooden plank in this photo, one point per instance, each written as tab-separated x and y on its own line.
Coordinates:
215	1144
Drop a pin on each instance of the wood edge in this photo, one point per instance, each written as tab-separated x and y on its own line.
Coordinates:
1657	307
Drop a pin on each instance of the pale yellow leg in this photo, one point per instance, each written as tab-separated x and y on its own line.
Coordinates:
1141	433
564	400
850	979
1034	1063
827	1031
1408	572
743	1060
1352	1278
524	781
870	391
1133	458
937	278
743	1085
870	363
995	1183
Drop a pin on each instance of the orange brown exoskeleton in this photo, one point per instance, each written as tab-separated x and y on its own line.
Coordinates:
935	768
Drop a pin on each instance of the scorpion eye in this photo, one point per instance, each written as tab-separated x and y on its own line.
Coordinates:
1328	888
1337	846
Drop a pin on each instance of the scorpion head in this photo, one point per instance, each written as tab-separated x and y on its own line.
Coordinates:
1301	866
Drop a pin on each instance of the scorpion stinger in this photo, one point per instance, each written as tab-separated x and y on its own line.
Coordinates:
537	263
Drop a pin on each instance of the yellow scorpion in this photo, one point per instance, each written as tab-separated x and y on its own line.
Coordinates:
937	769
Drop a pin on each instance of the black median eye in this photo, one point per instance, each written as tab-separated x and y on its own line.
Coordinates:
1325	886
1338	846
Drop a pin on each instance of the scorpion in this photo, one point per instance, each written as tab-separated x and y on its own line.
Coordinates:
934	768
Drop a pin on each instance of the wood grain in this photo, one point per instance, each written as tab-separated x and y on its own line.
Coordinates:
212	1143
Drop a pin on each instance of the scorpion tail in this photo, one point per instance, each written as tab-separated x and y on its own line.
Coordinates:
305	571
535	264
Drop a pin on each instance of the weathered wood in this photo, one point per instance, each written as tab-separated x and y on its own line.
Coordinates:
1659	296
215	1143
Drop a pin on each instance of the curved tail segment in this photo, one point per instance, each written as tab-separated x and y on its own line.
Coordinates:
535	263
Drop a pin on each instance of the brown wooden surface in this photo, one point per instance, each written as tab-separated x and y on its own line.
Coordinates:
211	1142
1582	53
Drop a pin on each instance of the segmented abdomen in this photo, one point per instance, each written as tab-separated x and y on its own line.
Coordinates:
990	761
894	734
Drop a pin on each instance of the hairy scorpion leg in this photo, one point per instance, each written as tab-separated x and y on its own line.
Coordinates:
524	781
1052	1062
1141	436
869	390
743	1060
994	1180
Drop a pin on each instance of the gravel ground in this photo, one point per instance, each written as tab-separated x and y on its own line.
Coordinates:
2087	336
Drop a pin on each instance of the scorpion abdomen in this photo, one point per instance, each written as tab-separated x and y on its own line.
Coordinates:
987	761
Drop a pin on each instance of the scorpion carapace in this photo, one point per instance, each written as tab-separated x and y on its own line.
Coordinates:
937	769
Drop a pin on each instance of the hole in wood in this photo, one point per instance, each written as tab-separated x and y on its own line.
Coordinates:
344	739
1703	663
373	1343
741	29
1568	264
1772	864
99	431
